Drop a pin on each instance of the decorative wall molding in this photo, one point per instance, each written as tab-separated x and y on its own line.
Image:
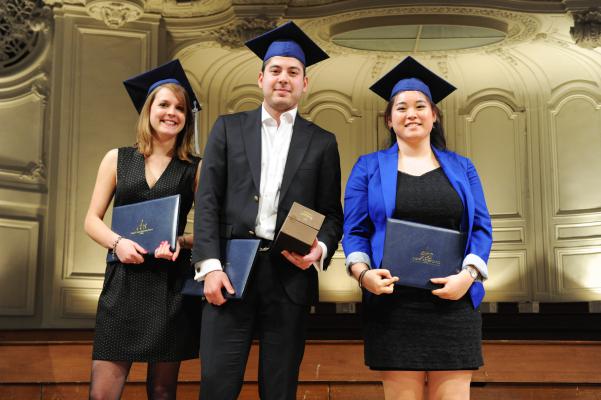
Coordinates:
586	31
578	272
114	13
514	235
508	276
514	158
335	285
555	110
19	262
24	27
79	302
520	27
74	131
504	55
245	94
237	32
30	98
60	3
329	99
501	96
581	232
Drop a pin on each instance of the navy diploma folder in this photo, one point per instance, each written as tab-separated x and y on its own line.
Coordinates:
416	252
237	259
147	223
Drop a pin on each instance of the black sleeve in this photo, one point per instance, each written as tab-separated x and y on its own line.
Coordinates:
328	199
209	195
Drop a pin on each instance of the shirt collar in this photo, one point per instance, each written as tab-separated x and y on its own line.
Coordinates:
288	116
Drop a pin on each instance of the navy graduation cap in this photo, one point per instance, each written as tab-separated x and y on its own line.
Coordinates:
140	86
411	75
287	40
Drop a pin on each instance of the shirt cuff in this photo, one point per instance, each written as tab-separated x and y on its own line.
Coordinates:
356	257
478	263
324	253
204	267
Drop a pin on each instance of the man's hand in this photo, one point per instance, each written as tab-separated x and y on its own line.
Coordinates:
304	262
214	282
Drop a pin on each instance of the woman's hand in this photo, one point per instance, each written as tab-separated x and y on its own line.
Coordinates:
164	250
129	252
379	281
455	286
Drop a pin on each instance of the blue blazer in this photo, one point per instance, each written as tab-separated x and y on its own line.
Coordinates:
370	199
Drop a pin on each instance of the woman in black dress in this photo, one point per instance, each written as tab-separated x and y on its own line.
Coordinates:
142	315
414	335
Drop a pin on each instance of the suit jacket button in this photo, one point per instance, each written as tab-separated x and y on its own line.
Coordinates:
256	198
252	233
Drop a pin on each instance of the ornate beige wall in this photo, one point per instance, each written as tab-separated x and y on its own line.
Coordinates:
528	112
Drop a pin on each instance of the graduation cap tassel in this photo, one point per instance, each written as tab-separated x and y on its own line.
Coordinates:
196	113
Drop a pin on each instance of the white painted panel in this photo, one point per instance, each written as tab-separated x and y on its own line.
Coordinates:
579	270
79	303
507	276
335	285
577	151
492	135
18	265
21	138
104	118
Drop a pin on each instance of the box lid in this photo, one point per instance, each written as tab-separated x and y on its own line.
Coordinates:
306	216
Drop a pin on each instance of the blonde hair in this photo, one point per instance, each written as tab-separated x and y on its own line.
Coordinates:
183	144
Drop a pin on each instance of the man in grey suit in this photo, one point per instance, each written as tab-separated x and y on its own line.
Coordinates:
256	164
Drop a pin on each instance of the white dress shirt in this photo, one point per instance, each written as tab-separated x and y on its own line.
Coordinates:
275	143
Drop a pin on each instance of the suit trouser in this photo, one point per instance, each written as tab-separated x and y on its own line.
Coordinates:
227	333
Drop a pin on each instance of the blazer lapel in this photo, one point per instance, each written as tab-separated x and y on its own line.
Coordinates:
299	143
388	163
251	135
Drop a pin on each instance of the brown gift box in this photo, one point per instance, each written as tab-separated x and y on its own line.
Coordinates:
299	230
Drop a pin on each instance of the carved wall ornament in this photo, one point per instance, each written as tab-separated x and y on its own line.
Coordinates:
442	62
549	38
40	88
114	13
586	31
376	70
21	22
186	9
59	3
235	34
504	55
521	27
35	172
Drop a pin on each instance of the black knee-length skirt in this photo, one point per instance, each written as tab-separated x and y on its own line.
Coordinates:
413	330
142	315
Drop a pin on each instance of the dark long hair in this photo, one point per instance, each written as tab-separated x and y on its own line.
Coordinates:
437	136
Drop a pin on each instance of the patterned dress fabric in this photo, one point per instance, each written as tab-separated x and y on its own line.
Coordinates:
142	315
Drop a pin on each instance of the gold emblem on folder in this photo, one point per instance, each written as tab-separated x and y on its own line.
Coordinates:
425	257
142	228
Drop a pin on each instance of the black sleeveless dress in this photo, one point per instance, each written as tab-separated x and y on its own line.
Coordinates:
412	329
142	315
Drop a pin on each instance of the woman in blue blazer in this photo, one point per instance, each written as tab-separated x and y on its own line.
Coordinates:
414	335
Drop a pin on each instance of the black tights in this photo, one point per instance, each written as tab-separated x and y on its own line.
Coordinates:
108	379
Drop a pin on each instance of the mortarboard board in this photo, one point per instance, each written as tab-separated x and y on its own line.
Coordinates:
140	86
287	40
411	75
